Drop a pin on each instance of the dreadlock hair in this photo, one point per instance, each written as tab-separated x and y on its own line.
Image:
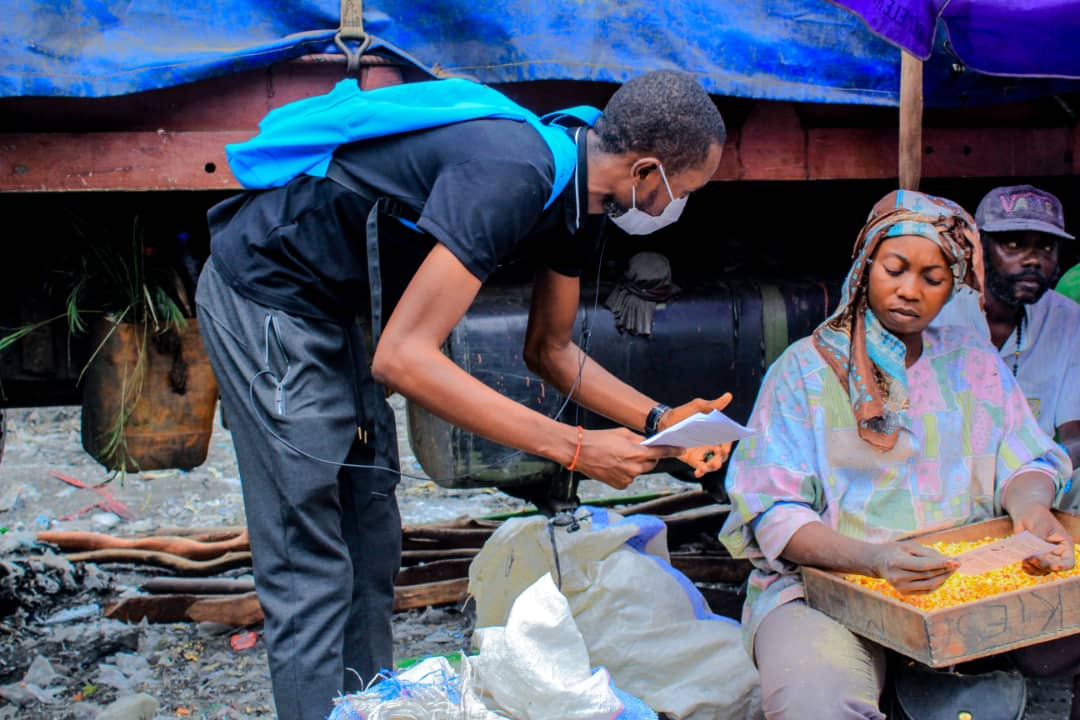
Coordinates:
664	113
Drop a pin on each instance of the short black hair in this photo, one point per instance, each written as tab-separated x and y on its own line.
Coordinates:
664	113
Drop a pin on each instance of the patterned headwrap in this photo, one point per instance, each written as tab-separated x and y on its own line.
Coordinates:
868	359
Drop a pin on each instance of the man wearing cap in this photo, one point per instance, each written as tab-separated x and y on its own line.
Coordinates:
1035	328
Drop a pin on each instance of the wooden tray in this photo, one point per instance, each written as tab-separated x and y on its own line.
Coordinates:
944	637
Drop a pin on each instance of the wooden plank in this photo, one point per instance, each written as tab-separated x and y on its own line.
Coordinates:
871	153
154	608
729	159
723	599
874	616
711	568
78	541
939	638
235	101
438	571
169	139
412	557
183	566
911	118
46	162
235	610
772	144
863	153
447	592
420	538
168	160
462	522
694	524
202	534
197	586
1007	152
244	609
667	504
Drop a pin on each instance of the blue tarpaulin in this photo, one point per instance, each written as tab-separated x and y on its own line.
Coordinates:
798	50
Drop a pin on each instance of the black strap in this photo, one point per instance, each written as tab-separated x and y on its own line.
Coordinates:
381	206
374	272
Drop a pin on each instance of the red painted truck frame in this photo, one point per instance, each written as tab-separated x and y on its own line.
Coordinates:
173	139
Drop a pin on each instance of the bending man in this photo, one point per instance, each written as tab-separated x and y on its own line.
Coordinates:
293	267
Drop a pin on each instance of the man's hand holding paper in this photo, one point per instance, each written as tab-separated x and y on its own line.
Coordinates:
701	428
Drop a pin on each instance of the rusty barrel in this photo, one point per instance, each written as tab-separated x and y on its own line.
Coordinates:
148	400
706	341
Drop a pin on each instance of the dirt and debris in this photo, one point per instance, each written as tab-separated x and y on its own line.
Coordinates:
62	659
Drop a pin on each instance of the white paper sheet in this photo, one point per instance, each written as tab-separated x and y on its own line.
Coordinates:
700	429
1002	552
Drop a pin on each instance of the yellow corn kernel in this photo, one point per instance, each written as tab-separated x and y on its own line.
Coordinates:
966	588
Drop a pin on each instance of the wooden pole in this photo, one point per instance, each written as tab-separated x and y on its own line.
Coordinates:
911	112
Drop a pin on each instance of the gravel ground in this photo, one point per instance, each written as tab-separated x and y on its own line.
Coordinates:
62	660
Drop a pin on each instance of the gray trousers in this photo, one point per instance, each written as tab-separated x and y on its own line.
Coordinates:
813	668
326	540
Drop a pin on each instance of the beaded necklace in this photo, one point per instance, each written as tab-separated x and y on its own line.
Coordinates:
1019	339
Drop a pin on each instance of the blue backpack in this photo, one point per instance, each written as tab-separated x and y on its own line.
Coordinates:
300	138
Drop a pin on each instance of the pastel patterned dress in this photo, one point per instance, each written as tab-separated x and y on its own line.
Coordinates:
966	432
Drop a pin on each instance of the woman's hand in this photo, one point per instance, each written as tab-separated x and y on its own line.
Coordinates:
1040	521
1027	500
913	568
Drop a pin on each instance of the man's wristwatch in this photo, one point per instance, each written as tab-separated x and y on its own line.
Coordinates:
652	420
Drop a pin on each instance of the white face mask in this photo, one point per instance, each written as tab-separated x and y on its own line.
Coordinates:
639	222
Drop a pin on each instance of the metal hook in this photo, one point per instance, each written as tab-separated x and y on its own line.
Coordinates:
352	57
352	28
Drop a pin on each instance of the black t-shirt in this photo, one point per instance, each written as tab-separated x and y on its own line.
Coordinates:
477	187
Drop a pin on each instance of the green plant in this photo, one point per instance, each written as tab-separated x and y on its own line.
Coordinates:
120	280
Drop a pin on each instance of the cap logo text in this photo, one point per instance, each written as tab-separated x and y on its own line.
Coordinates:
1018	202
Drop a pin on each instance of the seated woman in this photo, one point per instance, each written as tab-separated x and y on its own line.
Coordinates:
874	427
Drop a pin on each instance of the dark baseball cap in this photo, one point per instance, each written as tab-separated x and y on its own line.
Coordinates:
1021	207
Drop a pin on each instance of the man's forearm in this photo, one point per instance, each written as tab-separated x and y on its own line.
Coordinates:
596	389
432	380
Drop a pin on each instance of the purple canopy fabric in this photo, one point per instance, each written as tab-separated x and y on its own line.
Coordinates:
1020	38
